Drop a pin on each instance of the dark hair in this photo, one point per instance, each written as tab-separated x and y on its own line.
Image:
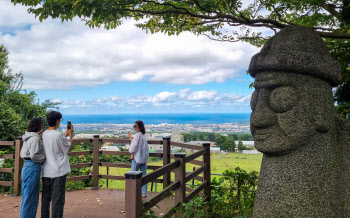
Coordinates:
35	125
52	117
141	126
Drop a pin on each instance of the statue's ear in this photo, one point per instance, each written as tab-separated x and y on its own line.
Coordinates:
323	119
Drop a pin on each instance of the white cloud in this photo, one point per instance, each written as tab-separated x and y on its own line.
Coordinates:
55	55
56	101
182	98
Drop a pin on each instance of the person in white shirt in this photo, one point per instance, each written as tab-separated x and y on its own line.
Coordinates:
139	151
56	166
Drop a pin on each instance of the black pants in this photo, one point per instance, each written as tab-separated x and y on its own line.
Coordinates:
54	190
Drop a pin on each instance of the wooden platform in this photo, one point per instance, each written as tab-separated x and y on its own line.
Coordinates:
84	203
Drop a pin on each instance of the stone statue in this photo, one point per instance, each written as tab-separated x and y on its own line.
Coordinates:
305	171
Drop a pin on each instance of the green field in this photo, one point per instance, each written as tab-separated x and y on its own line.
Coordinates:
219	163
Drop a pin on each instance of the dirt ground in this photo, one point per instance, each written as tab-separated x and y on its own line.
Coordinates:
84	203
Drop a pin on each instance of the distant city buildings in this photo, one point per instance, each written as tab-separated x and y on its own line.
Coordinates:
161	128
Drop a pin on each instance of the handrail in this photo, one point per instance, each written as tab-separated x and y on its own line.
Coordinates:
79	165
182	145
6	183
74	178
196	173
195	155
7	170
159	172
127	141
122	165
79	141
157	198
7	143
196	162
117	141
8	156
75	153
126	153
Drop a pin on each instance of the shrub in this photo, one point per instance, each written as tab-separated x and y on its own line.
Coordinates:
232	195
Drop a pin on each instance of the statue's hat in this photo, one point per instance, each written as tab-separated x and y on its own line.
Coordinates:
300	50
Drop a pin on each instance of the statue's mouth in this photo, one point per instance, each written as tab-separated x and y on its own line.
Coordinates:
262	134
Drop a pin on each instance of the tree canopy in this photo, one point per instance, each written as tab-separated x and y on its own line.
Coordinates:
17	107
222	20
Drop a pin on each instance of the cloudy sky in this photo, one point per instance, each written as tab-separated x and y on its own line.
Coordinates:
97	71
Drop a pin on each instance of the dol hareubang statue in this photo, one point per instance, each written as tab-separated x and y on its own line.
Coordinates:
305	170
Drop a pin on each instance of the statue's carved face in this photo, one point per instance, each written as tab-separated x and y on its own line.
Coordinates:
281	119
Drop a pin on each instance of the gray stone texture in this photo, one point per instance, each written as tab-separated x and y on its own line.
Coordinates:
305	170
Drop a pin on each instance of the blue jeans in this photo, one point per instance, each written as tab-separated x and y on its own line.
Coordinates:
31	172
142	167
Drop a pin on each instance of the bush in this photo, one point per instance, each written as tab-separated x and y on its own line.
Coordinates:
232	195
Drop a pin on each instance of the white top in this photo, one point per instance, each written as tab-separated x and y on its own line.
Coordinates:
56	147
139	147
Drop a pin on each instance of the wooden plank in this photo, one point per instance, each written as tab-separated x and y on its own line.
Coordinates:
196	173
156	199
6	183
196	162
117	141
188	189
7	143
79	165
75	178
7	170
159	172
75	153
8	156
195	192
155	154
111	177
182	145
195	155
79	141
154	142
121	165
125	153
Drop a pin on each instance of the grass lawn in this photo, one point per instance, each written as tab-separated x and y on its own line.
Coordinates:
219	163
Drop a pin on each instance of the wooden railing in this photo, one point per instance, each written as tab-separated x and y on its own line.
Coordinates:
134	181
16	183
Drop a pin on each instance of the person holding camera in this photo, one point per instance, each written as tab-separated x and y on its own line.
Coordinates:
33	154
139	151
56	167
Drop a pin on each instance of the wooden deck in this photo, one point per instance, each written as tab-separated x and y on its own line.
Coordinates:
84	203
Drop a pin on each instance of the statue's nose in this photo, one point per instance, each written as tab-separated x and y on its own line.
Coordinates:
262	116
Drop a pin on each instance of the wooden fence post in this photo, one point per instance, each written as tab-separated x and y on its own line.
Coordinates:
96	166
18	167
166	160
180	174
133	203
206	173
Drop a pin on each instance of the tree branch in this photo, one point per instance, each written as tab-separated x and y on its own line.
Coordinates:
331	9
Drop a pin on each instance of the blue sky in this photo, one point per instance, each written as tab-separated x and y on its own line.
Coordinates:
125	70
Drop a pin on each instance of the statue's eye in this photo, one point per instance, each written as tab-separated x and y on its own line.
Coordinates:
283	98
254	100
